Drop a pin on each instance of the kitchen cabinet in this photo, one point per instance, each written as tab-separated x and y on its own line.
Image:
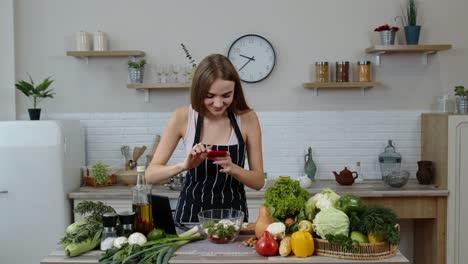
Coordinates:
444	141
424	50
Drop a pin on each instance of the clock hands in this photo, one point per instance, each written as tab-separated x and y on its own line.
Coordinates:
250	59
247	57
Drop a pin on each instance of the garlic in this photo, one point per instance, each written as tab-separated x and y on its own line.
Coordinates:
137	238
277	230
118	242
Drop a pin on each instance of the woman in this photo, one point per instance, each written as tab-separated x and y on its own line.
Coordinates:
217	119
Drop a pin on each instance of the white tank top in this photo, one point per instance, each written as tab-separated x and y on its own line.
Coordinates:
190	132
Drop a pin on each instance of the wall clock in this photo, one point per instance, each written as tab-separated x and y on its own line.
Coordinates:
253	57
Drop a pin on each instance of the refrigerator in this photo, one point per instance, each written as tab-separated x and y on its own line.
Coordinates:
40	164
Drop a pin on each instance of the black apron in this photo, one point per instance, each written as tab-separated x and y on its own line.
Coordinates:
206	188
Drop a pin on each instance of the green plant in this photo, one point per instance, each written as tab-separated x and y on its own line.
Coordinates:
137	64
409	16
98	172
461	91
188	56
36	92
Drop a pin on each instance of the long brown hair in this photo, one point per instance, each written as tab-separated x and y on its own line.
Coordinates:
213	67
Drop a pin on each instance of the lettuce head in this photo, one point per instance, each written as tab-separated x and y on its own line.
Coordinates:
331	221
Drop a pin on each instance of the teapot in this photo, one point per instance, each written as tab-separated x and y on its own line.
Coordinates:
345	177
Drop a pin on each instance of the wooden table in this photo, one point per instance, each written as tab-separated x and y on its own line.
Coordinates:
206	252
425	204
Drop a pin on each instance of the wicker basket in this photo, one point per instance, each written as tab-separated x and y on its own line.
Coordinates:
365	251
89	181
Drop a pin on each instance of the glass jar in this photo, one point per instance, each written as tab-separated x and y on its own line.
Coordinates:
342	71
109	232
321	71
390	161
364	71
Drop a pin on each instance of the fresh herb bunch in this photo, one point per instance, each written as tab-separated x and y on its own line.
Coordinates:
215	228
98	172
38	92
344	241
187	55
85	235
461	91
286	198
137	64
377	219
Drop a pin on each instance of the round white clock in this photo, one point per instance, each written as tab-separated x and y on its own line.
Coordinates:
253	57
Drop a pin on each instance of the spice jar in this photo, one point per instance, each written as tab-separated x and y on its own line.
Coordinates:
321	71
364	71
342	71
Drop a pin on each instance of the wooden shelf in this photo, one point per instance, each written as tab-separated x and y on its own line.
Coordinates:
108	53
159	85
396	49
340	85
389	49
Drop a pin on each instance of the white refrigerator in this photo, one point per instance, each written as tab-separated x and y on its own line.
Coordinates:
40	164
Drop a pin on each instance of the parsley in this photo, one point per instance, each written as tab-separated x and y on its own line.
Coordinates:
378	219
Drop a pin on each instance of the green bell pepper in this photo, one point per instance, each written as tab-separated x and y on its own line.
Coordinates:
349	203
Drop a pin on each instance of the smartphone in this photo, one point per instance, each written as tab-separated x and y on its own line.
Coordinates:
216	153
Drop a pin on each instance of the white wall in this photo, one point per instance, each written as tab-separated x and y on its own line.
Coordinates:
301	31
7	61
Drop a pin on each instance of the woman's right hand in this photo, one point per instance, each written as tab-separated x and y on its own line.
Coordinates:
196	156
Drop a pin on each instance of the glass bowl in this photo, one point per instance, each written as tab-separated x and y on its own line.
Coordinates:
397	179
221	225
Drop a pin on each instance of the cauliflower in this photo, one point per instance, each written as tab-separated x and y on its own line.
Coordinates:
137	238
325	199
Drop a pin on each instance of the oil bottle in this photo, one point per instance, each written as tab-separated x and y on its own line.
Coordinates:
141	204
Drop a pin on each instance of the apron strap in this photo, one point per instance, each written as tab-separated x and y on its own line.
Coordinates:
234	124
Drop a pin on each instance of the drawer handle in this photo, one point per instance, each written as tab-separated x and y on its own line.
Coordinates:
3	191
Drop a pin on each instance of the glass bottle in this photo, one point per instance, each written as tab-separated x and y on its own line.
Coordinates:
127	220
364	71
390	160
360	177
309	167
141	204
109	232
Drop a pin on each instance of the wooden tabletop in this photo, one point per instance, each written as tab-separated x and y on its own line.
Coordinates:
370	188
206	252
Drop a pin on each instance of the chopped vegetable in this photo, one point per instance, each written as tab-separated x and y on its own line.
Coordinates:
285	198
221	231
331	221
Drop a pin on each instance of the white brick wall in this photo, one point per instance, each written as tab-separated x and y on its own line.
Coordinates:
337	139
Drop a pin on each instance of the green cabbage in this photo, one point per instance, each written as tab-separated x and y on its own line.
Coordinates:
331	221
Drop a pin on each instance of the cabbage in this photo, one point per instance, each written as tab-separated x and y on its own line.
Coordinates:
325	198
331	221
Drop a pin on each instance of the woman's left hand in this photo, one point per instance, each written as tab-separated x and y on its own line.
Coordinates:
225	162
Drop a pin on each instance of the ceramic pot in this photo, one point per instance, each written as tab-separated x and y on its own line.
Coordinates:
34	113
425	172
412	34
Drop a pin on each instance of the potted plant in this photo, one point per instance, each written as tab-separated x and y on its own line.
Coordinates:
136	70
409	20
462	99
37	93
387	34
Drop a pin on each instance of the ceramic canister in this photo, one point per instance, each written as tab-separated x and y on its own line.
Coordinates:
83	41
100	41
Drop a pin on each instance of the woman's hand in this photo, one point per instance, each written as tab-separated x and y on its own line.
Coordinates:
196	156
226	163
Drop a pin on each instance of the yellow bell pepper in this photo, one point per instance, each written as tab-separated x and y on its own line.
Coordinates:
302	244
375	239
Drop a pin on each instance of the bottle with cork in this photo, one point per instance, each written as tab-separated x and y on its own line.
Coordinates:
141	204
360	177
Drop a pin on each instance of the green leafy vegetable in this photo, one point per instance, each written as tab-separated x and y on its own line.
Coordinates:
98	171
285	198
378	219
344	241
331	221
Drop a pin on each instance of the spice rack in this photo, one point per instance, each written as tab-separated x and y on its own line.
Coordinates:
340	85
425	50
150	86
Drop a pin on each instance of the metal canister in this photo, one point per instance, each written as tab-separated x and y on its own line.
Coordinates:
364	71
321	71
342	71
